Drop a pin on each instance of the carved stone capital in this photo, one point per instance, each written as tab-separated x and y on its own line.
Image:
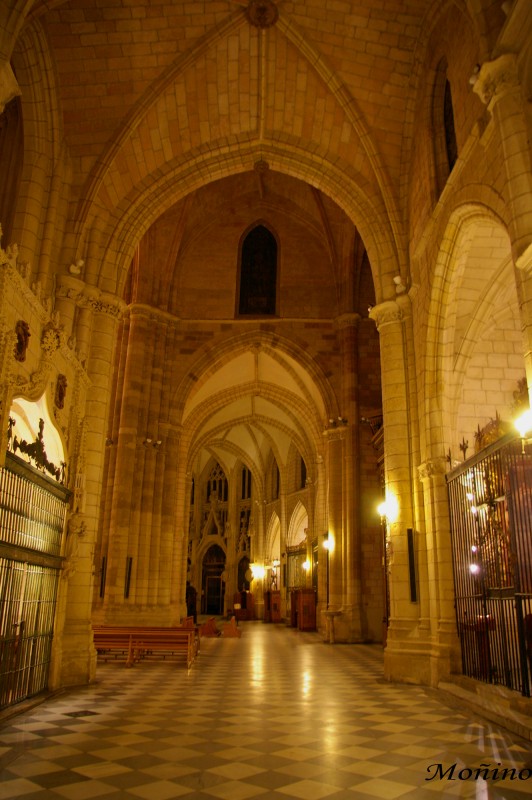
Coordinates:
387	313
432	467
109	304
90	297
496	78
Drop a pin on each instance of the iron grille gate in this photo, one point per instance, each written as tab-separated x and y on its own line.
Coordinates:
26	624
490	500
32	517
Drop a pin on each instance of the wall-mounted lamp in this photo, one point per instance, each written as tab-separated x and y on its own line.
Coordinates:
338	421
306	565
109	442
389	508
257	570
524	426
151	443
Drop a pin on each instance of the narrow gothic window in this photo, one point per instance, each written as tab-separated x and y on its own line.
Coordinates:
443	127
246	484
302	474
448	124
258	273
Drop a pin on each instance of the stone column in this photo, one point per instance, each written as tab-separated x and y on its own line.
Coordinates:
438	587
349	625
69	290
125	502
498	86
406	656
77	659
335	517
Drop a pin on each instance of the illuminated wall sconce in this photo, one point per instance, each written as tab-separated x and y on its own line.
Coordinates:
328	542
109	442
152	443
306	565
258	572
524	426
389	508
338	421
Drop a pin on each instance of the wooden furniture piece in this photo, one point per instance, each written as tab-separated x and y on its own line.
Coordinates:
135	644
306	614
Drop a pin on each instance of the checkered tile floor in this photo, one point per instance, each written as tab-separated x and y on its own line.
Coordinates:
275	714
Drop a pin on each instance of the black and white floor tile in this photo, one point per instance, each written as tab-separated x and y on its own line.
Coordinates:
274	714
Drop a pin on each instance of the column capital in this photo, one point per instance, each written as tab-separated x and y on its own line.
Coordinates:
496	79
432	467
90	297
386	313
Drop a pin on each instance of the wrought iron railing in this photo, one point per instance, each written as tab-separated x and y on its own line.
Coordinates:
490	499
32	520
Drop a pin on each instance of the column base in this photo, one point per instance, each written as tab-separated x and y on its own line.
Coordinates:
414	656
344	622
73	657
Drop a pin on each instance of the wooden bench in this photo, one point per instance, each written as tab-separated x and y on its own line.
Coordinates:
231	629
136	643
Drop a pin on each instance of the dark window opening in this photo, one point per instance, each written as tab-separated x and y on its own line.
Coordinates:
258	273
448	124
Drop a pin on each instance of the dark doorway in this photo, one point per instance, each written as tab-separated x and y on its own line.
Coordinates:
213	586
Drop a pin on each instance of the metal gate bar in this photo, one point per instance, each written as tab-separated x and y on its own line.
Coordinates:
490	501
32	521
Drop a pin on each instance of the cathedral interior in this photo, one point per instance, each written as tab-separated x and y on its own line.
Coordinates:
265	328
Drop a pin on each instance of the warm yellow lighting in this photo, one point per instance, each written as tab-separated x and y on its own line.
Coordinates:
474	569
276	563
306	565
328	543
27	416
524	423
389	508
257	571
